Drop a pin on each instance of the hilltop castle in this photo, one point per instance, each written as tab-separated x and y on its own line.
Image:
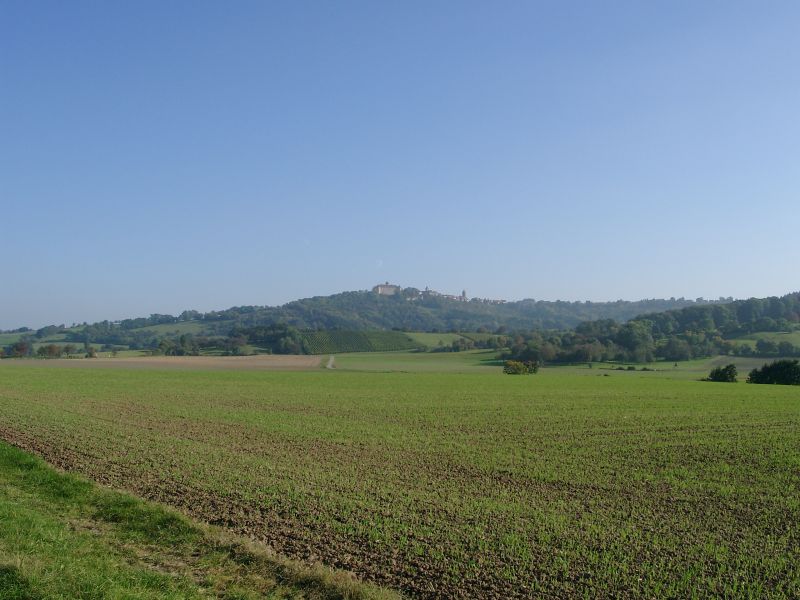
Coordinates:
389	289
386	289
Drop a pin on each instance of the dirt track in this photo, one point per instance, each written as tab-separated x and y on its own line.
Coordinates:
221	363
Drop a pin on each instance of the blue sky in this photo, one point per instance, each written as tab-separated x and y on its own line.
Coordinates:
157	156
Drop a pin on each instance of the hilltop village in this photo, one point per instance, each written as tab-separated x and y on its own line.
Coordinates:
390	289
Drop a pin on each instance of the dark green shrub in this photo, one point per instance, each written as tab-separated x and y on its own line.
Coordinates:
726	374
781	372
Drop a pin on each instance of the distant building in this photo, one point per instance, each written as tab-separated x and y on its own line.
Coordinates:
387	289
429	293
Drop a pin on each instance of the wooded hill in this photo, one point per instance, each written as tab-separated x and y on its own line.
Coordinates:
755	327
356	311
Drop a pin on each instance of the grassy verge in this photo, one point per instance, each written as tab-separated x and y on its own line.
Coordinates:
63	537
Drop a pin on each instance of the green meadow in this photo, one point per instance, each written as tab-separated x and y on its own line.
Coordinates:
436	475
793	337
8	338
432	340
184	327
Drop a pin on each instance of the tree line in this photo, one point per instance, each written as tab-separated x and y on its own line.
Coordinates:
779	372
25	349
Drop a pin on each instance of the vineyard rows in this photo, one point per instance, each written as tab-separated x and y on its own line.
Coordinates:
329	342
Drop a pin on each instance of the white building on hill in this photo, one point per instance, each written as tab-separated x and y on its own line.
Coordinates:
386	289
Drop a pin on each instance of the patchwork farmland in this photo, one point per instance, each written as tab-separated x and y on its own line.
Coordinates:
451	479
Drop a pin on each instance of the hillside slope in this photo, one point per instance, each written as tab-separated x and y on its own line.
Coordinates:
369	311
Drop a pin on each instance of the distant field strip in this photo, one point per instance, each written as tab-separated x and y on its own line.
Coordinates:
793	337
432	340
261	362
463	485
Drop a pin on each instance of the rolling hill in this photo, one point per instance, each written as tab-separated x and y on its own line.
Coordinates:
365	321
357	311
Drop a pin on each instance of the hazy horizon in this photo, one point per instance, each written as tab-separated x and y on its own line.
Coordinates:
160	157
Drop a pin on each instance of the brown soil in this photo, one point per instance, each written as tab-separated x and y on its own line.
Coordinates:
288	533
217	363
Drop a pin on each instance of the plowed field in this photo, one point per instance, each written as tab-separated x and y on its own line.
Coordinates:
467	485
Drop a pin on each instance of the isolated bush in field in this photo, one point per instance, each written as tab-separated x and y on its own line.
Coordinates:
516	367
781	372
726	374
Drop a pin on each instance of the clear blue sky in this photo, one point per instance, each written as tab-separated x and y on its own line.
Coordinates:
156	156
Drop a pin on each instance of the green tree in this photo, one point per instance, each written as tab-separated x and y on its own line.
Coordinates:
726	374
21	348
676	349
766	347
636	337
516	367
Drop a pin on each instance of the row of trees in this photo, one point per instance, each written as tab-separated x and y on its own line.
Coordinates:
25	349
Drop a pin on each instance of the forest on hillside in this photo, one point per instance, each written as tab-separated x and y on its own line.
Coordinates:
691	332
